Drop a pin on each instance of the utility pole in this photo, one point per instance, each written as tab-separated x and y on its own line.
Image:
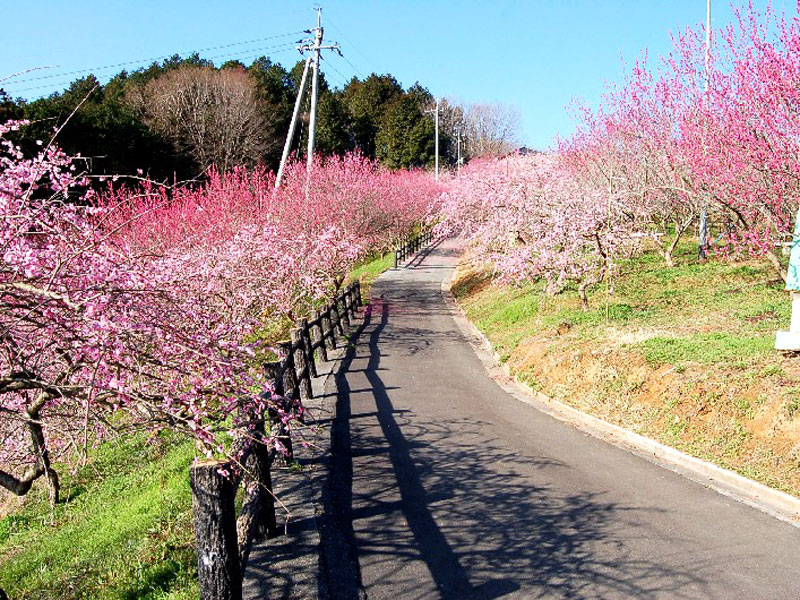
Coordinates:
437	139
312	124
436	143
703	233
458	149
293	124
313	46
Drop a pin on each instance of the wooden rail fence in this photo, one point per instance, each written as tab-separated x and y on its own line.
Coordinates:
412	246
223	539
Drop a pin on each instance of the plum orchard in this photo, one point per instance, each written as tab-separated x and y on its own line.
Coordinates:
138	309
532	218
662	146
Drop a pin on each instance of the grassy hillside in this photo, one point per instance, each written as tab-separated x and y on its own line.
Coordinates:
683	355
124	530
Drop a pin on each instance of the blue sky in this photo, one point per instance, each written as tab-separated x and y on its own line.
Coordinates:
536	54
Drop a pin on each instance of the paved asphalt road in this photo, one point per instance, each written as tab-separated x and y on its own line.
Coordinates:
441	485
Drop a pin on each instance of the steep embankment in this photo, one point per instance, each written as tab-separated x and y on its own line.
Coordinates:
683	355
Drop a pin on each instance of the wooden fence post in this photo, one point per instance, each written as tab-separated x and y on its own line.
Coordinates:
341	300
352	295
359	299
289	374
318	335
259	495
301	366
274	373
213	495
278	428
257	518
309	349
336	319
327	331
349	302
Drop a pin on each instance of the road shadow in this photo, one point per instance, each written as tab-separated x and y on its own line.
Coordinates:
481	527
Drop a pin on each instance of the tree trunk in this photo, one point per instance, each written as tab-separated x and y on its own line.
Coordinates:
41	450
22	485
584	298
218	568
776	264
257	518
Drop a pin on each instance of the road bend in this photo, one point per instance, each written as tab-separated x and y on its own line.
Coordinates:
442	485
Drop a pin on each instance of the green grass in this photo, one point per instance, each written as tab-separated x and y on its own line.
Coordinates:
370	269
124	531
646	293
708	348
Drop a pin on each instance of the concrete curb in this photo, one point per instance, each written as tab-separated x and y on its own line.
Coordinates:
778	504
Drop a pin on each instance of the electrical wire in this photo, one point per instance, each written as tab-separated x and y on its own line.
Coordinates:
349	41
250	53
146	60
344	78
354	67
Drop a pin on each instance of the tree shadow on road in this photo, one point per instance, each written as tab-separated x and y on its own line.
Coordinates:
439	493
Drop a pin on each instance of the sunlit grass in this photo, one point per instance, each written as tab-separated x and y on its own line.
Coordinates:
124	530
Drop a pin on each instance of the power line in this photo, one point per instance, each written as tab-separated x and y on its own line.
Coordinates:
344	78
349	41
354	67
250	53
146	60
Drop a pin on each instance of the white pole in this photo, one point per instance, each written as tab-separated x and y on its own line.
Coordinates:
296	112
437	140
312	125
708	38
458	152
